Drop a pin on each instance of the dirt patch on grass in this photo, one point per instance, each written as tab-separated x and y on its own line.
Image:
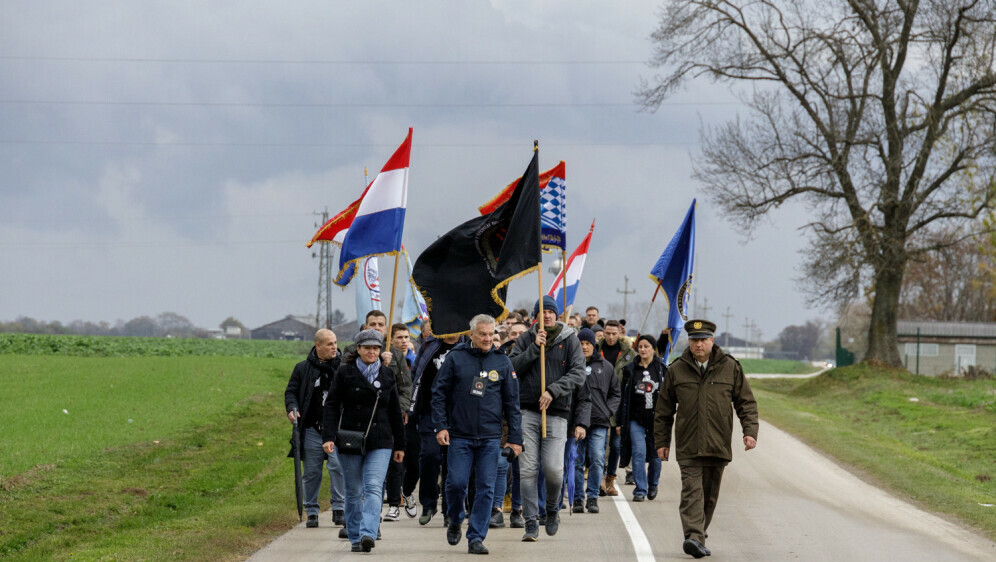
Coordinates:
140	492
20	480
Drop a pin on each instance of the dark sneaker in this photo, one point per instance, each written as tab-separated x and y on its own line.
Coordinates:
629	479
552	523
497	520
651	492
477	547
427	513
312	521
356	548
639	498
515	519
541	519
446	520
453	534
592	505
367	543
578	507
338	517
343	534
532	532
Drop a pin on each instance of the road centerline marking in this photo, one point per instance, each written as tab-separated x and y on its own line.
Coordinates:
636	535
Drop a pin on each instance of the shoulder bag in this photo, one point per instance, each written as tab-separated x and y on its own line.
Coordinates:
352	442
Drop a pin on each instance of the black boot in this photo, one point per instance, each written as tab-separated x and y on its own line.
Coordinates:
592	505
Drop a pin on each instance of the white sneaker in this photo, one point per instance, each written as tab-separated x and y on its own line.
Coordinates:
393	514
411	508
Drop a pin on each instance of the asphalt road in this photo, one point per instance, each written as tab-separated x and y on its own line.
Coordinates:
781	501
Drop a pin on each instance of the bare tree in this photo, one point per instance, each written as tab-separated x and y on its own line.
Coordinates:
879	114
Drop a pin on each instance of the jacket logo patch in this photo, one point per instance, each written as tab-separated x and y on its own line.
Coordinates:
493	376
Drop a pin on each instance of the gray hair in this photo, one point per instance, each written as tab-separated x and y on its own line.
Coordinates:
481	319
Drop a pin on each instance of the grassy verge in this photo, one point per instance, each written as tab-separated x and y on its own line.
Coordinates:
110	346
199	474
929	440
777	366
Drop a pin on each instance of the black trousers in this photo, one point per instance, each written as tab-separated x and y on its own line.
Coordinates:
432	472
413	446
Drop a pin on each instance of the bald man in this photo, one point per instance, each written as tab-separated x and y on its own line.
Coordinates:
305	401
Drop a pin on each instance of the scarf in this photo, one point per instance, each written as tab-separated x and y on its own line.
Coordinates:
369	371
551	334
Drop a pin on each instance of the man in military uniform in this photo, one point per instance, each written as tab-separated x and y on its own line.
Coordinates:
707	383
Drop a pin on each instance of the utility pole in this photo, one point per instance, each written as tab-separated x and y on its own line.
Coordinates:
705	309
625	292
746	335
726	339
323	316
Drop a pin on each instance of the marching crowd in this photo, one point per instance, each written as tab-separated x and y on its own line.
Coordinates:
473	424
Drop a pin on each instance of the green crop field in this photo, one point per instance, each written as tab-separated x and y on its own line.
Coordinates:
107	346
149	455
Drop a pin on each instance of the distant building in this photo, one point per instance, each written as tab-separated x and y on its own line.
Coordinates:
946	347
289	328
738	348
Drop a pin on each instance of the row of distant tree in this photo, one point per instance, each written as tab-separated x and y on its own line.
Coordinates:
167	324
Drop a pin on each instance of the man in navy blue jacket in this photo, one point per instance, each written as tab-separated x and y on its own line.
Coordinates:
475	388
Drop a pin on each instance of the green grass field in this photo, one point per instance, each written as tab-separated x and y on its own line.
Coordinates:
107	346
179	458
929	440
777	366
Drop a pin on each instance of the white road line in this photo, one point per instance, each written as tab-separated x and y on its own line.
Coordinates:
640	543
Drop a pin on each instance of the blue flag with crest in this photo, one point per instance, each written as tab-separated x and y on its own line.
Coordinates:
673	275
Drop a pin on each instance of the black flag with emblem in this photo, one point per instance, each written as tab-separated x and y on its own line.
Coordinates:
466	271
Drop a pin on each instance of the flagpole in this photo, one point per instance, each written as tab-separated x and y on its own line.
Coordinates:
542	327
644	325
563	276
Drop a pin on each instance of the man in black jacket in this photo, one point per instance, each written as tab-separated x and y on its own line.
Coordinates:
305	399
564	372
476	389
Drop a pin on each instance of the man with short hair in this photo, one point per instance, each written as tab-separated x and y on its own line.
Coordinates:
393	358
475	389
565	371
617	351
590	318
401	339
304	400
709	386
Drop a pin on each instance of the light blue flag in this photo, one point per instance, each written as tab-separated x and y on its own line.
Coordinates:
673	274
414	311
367	289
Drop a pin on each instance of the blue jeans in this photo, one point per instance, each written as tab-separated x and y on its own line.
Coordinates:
481	455
314	457
615	447
591	447
431	465
550	451
364	491
501	484
638	442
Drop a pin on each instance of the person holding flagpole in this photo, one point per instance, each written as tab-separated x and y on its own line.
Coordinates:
565	371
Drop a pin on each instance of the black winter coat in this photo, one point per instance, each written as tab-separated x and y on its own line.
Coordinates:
625	412
564	370
302	387
604	388
352	397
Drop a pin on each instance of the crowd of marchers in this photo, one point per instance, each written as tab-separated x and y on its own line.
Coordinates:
471	425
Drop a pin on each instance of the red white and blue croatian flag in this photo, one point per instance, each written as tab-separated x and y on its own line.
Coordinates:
575	265
380	217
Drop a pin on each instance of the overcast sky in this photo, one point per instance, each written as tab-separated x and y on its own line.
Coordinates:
169	156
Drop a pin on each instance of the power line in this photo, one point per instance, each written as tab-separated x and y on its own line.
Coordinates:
33	58
346	105
324	145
